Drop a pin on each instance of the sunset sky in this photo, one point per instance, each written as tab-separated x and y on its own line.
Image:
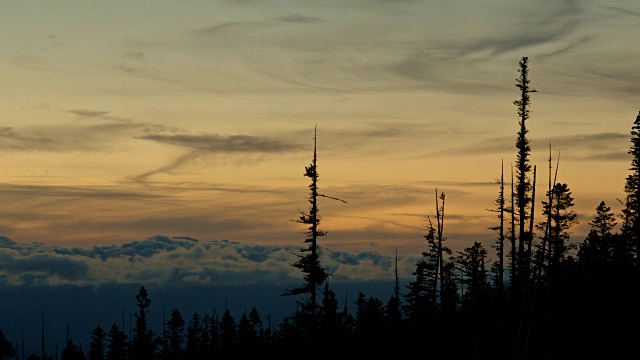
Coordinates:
123	120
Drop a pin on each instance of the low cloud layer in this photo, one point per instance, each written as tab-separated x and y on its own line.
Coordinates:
173	261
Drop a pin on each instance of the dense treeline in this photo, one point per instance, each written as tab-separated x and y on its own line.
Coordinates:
543	297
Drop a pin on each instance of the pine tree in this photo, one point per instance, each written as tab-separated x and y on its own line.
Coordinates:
562	218
142	345
7	350
308	258
72	351
228	333
116	345
174	335
631	212
501	210
523	166
256	325
96	346
194	338
598	247
471	263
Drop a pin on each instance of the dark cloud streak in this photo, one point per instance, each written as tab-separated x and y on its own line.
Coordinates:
301	19
225	144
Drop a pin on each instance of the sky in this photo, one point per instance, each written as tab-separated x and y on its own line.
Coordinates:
164	142
125	120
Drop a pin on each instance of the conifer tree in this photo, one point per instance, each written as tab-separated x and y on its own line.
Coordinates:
96	346
562	218
471	263
116	345
631	212
523	166
174	335
228	333
421	298
256	324
72	351
330	323
598	247
194	337
500	204
308	258
142	343
7	350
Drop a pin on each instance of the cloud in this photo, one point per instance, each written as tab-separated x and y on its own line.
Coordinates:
298	18
95	130
596	146
225	144
162	260
622	10
214	144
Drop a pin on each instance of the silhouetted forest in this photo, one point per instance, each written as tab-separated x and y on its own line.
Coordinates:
543	297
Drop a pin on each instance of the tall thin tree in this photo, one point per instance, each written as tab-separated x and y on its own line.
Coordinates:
308	258
631	212
523	166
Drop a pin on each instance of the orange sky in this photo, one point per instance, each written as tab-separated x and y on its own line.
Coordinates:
123	120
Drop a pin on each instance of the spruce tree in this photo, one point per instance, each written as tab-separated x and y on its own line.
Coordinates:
174	335
142	345
308	258
96	346
117	343
523	166
562	218
631	212
7	350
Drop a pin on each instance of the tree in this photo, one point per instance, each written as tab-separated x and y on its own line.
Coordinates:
142	345
420	300
248	339
228	333
631	212
256	324
500	204
174	335
561	218
308	258
598	247
7	350
471	263
393	313
523	166
117	344
72	351
195	339
96	346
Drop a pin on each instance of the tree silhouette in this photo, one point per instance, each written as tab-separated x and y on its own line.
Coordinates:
523	166
308	258
72	351
7	350
631	212
174	335
96	346
142	343
117	343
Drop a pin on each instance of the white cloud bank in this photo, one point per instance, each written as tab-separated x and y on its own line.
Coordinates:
171	261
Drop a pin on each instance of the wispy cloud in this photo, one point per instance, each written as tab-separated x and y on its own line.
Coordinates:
93	130
298	18
226	144
596	146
